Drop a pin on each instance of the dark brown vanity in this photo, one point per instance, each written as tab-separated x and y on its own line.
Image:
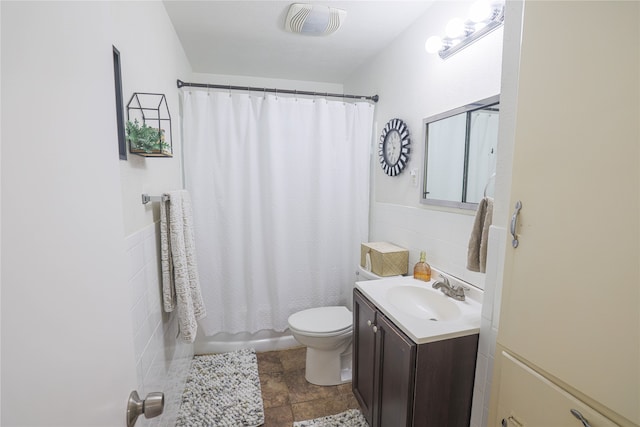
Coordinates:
400	383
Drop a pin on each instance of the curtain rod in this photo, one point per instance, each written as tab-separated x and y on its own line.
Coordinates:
181	84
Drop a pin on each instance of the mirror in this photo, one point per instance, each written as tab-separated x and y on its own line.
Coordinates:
460	154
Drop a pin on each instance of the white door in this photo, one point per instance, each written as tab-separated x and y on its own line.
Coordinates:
571	299
67	345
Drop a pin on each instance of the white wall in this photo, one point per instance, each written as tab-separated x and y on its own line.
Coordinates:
414	85
80	288
152	60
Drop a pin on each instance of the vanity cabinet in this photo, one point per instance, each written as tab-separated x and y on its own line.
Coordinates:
400	383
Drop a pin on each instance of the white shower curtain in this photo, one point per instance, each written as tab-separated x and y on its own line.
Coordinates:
482	149
280	190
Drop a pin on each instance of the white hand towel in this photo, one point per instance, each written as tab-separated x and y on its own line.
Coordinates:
180	281
478	241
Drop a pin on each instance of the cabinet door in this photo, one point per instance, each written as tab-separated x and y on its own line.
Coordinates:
570	301
445	372
364	317
397	356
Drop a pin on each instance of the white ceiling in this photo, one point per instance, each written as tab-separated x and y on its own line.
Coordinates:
247	38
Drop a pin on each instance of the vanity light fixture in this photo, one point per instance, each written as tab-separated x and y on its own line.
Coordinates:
484	17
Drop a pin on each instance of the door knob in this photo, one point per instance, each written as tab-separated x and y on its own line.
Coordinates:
151	406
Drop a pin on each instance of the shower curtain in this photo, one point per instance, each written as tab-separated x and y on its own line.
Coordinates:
280	191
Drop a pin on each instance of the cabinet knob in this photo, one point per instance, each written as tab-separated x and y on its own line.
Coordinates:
368	322
375	329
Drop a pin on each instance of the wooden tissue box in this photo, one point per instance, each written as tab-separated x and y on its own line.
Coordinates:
386	259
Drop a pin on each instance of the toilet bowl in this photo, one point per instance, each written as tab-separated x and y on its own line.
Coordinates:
327	333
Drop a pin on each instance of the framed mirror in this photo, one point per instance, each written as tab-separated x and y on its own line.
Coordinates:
460	154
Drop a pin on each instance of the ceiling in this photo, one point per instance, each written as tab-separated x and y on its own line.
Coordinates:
247	38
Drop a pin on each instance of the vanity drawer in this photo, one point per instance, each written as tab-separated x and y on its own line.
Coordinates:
528	399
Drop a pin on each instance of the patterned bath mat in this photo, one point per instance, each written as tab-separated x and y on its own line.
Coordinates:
222	390
350	418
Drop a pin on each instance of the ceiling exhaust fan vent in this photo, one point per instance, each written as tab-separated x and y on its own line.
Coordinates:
313	19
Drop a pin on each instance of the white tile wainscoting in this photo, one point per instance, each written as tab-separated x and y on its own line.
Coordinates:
162	359
443	234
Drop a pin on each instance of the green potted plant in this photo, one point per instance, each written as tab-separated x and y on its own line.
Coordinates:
146	140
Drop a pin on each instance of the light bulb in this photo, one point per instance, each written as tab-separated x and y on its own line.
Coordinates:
480	11
455	28
433	44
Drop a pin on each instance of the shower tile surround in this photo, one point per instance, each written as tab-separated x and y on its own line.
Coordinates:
162	361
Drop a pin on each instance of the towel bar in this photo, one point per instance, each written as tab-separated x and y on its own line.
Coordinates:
147	198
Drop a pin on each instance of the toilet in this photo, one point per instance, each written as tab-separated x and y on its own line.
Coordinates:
327	333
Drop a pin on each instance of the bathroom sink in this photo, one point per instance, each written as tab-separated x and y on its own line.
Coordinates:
424	303
421	312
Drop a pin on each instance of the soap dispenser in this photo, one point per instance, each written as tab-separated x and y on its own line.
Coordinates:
422	270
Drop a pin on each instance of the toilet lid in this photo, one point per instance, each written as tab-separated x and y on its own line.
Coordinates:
322	319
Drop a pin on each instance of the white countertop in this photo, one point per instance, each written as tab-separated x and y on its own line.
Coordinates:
423	330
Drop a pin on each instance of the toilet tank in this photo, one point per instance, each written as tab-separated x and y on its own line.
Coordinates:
362	274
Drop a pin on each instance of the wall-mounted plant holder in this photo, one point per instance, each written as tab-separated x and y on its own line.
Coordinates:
149	125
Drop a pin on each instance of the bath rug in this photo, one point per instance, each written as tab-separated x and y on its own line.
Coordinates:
222	390
350	418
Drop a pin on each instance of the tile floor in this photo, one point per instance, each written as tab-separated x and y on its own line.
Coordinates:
288	397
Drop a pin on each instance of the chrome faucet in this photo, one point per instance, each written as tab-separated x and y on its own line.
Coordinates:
453	291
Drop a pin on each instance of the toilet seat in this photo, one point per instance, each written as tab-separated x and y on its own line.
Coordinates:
322	321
